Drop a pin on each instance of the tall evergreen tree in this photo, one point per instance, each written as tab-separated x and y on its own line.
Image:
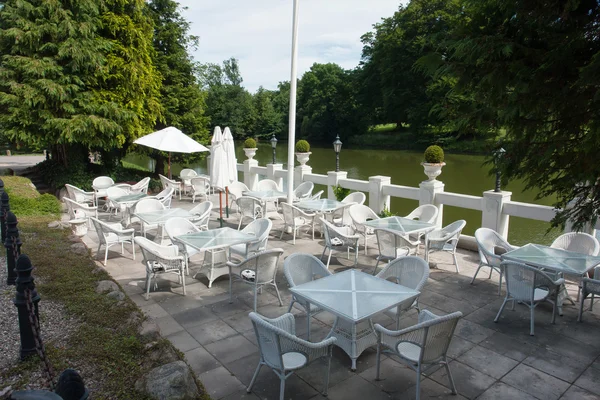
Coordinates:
182	99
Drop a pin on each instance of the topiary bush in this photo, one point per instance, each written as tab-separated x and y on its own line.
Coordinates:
434	155
302	146
250	143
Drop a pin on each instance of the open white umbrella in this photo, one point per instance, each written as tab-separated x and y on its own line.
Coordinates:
230	152
171	139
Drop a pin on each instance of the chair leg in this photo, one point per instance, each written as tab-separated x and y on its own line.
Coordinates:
581	299
282	230
105	254
148	281
375	269
476	272
258	367
277	291
182	273
294	235
230	287
240	224
500	283
378	362
282	388
327	375
329	257
307	325
365	244
256	297
418	396
455	262
324	249
531	319
133	247
452	385
291	305
501	309
592	302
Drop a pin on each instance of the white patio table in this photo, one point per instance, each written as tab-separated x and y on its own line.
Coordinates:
555	260
128	201
161	216
405	226
215	242
322	206
266	196
354	298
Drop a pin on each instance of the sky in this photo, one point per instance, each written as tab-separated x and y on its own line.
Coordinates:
259	34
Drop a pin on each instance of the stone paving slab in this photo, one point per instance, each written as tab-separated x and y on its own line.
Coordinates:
488	360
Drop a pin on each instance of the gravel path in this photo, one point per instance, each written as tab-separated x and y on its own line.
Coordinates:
55	325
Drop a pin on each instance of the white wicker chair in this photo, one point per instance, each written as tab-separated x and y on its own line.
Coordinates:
260	229
589	287
529	286
236	190
100	184
160	259
445	239
488	241
89	211
145	206
411	272
425	213
294	218
316	196
284	352
186	175
257	270
114	192
341	216
180	226
249	207
392	245
301	268
139	187
337	237
165	197
79	195
111	234
303	191
359	214
170	183
420	347
199	187
267	184
202	211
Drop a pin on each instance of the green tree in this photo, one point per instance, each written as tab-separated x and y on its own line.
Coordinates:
183	102
268	120
536	64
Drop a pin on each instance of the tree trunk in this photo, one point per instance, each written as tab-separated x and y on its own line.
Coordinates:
159	166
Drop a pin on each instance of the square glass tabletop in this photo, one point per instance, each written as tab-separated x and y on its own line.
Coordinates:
354	295
322	205
161	216
400	224
129	198
265	195
214	238
555	259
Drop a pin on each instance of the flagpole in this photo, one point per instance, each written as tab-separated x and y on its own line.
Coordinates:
292	116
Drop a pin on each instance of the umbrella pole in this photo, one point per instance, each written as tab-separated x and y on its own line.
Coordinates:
221	207
227	201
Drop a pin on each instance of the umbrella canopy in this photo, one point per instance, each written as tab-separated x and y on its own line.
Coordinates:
230	152
171	139
219	173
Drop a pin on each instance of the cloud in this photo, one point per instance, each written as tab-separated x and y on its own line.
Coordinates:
259	34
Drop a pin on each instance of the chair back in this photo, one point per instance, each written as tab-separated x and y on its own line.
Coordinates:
304	190
409	271
179	226
157	257
487	242
187	174
437	336
73	205
522	281
168	183
99	231
141	186
249	207
425	213
355	197
102	182
301	268
259	228
148	205
390	242
200	184
330	232
269	344
114	191
237	189
165	196
264	264
71	191
578	242
359	213
454	228
316	196
76	194
266	185
202	211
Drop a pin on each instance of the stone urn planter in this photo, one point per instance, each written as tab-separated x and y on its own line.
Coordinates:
303	157
432	170
250	153
79	226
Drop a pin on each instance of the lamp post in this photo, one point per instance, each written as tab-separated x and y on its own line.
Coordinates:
273	146
498	154
337	147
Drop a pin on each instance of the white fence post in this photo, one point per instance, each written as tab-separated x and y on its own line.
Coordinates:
332	181
377	200
250	178
427	194
492	215
271	168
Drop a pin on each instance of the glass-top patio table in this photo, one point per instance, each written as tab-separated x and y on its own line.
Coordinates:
214	238
161	216
401	225
128	201
266	195
354	297
320	205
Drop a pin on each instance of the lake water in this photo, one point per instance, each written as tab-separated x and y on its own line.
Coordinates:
464	174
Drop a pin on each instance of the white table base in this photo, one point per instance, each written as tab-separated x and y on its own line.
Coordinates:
353	338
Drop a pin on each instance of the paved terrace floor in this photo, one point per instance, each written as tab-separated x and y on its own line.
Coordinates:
489	360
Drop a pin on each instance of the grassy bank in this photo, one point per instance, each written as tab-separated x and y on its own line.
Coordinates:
105	346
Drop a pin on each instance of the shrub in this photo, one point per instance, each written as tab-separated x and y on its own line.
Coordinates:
250	143
340	192
302	146
434	155
386	213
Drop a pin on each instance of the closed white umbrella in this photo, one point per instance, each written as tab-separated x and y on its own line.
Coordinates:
230	152
171	139
219	172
